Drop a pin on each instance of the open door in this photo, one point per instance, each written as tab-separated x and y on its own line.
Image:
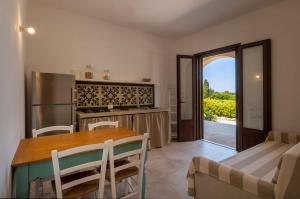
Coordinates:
209	127
254	93
185	98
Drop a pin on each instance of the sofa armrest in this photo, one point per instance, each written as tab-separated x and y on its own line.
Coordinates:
289	174
288	138
228	175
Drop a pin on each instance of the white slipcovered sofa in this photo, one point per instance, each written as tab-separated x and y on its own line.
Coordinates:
268	170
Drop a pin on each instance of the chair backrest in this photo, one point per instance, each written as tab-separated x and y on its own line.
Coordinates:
140	162
289	174
58	172
36	133
103	123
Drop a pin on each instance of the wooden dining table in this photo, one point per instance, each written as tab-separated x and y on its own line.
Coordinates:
32	159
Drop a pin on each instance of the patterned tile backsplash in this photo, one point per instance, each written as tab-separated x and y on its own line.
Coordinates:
99	94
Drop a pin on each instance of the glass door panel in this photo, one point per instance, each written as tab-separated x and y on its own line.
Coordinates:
185	118
253	88
254	93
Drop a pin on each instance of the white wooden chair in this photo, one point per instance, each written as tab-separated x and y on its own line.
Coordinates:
129	169
70	182
103	123
36	133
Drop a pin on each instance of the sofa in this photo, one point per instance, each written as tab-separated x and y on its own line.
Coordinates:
270	170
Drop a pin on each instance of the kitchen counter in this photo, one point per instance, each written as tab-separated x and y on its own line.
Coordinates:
116	112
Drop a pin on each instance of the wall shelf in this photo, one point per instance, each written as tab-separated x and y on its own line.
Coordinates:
117	81
172	112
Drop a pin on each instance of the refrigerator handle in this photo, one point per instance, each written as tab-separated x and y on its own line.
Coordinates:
74	95
33	120
73	109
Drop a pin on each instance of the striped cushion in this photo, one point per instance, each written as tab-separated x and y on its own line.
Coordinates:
229	175
260	161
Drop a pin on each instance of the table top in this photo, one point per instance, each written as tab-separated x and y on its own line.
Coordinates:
39	149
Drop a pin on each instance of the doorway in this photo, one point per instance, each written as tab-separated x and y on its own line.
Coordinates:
219	98
251	118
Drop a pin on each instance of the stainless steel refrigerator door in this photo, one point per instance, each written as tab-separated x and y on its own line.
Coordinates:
52	115
48	88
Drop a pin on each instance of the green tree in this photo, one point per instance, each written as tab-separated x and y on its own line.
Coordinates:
223	95
207	91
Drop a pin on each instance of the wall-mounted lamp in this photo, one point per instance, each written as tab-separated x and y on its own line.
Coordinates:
29	30
257	76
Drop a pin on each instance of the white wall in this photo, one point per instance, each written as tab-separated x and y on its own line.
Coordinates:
280	22
12	120
65	41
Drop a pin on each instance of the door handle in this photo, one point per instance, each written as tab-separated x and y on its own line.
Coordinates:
182	102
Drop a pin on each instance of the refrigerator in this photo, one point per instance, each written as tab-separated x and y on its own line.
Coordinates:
53	100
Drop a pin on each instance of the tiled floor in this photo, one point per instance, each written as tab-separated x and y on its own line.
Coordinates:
168	166
224	134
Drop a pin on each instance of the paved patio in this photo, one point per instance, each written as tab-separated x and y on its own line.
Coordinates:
221	133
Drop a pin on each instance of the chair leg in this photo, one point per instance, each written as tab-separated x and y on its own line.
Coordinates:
139	190
35	188
140	183
113	190
130	184
149	145
126	186
95	195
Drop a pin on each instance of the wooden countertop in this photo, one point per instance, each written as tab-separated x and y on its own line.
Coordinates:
82	115
39	149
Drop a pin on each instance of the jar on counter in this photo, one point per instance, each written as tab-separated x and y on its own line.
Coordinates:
88	73
106	75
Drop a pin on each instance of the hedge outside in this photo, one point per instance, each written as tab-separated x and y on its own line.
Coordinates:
221	108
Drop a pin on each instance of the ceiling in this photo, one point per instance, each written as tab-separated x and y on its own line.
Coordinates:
167	18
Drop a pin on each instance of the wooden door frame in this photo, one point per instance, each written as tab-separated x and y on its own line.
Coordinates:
198	84
199	78
267	106
178	57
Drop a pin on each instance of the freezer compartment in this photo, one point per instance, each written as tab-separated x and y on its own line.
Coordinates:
48	88
53	115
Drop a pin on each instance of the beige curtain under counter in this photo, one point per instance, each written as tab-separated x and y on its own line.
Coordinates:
157	124
141	123
125	121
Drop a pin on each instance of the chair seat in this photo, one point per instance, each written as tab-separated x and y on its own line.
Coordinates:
123	174
117	163
120	162
81	189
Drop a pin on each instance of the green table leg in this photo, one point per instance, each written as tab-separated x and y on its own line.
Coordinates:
21	182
